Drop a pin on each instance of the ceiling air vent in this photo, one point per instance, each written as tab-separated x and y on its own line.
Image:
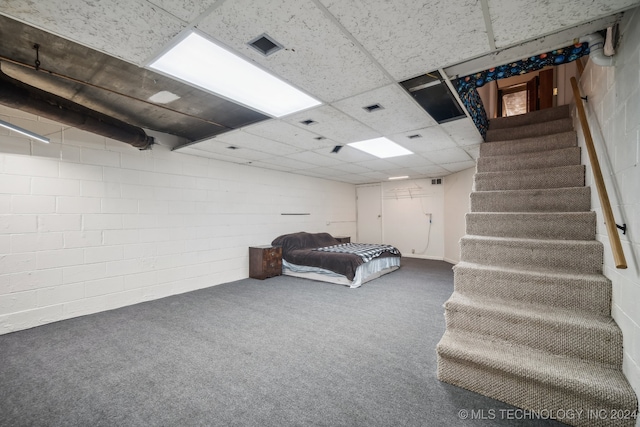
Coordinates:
373	107
308	122
265	45
337	148
414	136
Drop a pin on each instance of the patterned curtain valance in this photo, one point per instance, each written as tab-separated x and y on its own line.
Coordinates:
466	86
524	66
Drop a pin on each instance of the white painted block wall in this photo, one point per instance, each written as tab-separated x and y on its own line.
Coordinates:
613	108
89	224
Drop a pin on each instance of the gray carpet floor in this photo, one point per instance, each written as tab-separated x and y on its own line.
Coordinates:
278	352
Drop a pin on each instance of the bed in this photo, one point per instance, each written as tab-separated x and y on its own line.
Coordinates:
318	256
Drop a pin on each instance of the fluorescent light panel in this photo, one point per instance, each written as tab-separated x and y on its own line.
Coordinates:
200	62
381	147
24	132
393	178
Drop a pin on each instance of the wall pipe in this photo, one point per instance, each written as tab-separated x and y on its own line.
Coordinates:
596	51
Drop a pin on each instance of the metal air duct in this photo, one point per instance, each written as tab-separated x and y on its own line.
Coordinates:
18	95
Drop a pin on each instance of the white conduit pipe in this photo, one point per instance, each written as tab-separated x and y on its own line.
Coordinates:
596	52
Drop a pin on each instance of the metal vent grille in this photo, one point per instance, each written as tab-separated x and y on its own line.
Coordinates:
265	45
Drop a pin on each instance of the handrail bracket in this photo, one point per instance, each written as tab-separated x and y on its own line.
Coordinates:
622	227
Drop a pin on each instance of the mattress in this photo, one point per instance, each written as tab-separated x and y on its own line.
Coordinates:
364	273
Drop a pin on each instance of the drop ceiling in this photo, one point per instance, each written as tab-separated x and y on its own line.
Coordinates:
347	54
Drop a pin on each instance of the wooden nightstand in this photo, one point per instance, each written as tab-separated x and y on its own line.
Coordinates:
343	239
265	261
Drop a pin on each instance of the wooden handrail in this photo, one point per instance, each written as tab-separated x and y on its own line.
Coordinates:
612	231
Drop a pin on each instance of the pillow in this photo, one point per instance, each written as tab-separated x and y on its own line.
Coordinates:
303	240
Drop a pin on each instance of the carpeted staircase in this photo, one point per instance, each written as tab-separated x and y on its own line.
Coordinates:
529	320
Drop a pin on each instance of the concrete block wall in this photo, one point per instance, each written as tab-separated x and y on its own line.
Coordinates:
613	108
89	224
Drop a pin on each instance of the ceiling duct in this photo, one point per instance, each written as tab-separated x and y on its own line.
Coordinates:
18	95
434	96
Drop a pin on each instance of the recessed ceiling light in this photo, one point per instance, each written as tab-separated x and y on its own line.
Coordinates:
200	62
381	147
392	178
163	97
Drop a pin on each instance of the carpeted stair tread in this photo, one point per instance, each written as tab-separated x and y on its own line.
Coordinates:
534	380
529	145
572	199
530	131
575	291
556	255
533	225
533	160
573	333
529	322
539	116
553	177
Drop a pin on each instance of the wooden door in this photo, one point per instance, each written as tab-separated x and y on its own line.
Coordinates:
545	89
532	94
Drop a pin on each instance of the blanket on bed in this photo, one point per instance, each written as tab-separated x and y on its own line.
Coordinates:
366	251
299	248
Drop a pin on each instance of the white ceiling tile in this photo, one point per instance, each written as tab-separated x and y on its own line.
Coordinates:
431	171
271	166
459	166
333	124
353	155
375	176
449	155
315	158
431	139
400	172
187	10
105	26
321	172
258	143
211	155
410	161
291	164
515	21
222	148
315	52
411	37
353	179
351	168
286	133
463	132
473	150
378	165
400	112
